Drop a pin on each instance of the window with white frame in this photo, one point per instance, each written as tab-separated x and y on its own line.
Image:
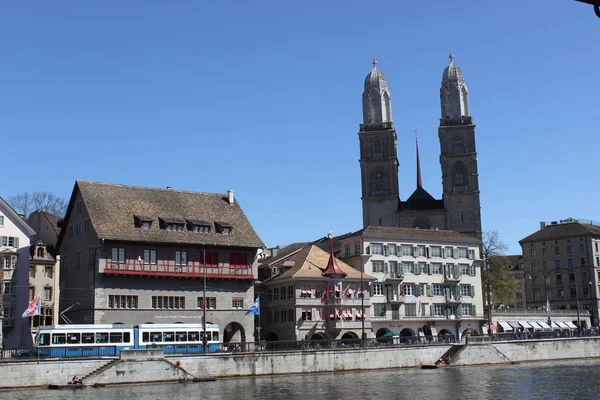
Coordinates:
435	251
465	290
48	272
466	309
118	255
377	266
356	248
392	249
394	273
122	301
464	269
347	250
407	250
408	268
408	290
377	289
436	268
462	252
377	248
168	302
379	310
307	314
150	256
421	251
438	290
1	220
237	302
47	293
438	309
181	258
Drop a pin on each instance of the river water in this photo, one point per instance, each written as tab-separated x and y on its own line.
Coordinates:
548	380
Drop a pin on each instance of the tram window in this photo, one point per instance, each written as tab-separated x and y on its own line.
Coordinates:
155	337
87	338
181	336
59	338
44	339
215	336
126	337
102	337
73	338
145	337
194	336
116	337
168	337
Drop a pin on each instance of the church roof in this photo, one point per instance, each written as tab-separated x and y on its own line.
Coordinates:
375	78
421	200
452	71
420	194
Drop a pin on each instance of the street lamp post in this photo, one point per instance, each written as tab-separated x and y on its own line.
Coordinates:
362	307
577	305
204	338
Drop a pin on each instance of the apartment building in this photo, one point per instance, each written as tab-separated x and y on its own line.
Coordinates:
428	281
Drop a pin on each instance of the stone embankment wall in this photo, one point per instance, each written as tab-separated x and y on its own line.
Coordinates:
151	366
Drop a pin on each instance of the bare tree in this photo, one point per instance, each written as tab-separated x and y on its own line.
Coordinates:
497	282
28	202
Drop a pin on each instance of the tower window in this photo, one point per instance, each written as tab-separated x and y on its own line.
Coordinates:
378	183
458	145
377	147
459	176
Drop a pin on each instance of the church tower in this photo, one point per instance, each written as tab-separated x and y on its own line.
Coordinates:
458	155
378	155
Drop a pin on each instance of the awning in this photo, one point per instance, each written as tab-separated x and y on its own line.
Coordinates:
555	325
571	325
514	324
562	324
433	330
525	324
544	325
536	326
505	326
358	314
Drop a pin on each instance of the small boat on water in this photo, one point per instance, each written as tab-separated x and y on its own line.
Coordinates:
69	386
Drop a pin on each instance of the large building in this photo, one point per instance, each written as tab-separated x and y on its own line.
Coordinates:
515	271
459	208
43	278
428	281
308	294
562	265
15	236
140	255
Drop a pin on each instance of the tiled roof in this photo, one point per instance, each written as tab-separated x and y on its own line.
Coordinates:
311	262
559	231
413	233
112	209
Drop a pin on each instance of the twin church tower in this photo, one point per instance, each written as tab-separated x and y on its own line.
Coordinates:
459	208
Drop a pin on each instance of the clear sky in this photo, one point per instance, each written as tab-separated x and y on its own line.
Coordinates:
264	97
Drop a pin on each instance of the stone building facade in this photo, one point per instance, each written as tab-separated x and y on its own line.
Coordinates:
141	255
562	265
43	278
428	281
459	208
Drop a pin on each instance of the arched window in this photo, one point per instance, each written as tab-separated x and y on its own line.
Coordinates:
458	144
460	179
378	183
377	147
464	95
40	252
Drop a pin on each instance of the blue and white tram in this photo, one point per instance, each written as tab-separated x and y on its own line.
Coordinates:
109	340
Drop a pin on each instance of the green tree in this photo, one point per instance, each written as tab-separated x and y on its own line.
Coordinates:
498	284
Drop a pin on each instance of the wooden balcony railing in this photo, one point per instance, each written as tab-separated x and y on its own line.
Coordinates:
190	270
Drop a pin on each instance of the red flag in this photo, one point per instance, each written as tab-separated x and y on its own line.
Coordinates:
35	308
325	294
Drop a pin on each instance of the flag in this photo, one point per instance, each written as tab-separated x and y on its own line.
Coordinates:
348	292
548	309
325	294
35	308
255	309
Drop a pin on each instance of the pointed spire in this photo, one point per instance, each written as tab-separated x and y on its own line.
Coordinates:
419	182
332	269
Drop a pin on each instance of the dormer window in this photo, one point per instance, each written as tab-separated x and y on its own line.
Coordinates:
175	227
40	252
199	226
143	222
224	228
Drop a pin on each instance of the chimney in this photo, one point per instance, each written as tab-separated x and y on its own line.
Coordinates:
542	225
230	197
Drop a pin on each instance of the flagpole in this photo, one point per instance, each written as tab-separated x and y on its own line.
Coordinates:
259	327
204	341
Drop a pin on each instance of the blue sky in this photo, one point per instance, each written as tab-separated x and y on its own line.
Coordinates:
264	97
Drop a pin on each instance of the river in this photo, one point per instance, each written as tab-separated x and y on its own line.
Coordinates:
578	379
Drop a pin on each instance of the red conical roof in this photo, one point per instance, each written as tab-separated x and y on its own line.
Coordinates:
332	268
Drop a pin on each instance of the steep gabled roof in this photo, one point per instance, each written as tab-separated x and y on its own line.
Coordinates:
562	230
310	263
113	209
16	218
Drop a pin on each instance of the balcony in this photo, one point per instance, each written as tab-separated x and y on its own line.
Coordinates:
344	324
376	127
457	121
450	278
394	277
193	270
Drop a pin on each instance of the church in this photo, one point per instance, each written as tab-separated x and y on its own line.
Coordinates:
459	208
